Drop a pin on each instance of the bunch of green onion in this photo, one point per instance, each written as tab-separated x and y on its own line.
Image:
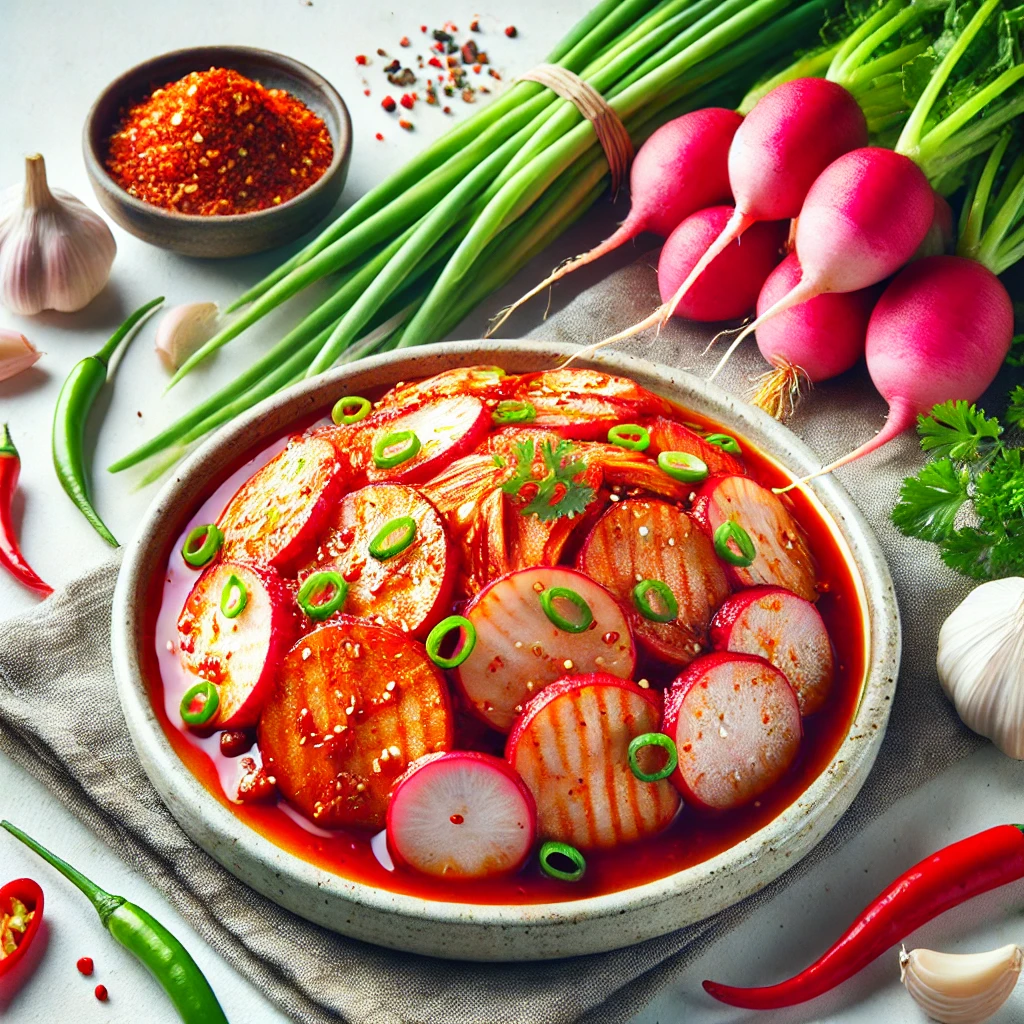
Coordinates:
417	253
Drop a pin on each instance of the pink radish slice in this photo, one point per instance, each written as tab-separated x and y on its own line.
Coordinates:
671	436
783	557
736	725
728	286
411	590
275	516
519	650
447	429
640	539
239	655
570	748
785	630
479	381
462	815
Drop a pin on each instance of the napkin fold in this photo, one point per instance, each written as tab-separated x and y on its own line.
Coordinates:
61	720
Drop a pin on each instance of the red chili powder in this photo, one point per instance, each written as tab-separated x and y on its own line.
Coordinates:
216	142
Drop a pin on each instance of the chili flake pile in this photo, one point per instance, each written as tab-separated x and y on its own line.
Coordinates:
216	142
13	925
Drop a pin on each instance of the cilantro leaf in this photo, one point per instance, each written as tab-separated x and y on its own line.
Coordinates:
958	431
558	492
929	502
1015	413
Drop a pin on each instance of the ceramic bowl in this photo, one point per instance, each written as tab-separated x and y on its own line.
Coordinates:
239	234
481	932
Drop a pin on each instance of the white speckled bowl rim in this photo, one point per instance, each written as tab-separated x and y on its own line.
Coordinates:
481	931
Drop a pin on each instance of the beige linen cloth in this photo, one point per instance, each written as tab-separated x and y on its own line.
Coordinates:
60	719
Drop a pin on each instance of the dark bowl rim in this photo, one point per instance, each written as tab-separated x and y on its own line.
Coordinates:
122	84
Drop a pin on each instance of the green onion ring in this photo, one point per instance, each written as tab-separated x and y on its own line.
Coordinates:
683	466
547	602
360	405
212	537
730	530
726	442
234	597
206	710
382	550
514	412
465	646
630	436
652	739
315	586
403	437
551	848
643	602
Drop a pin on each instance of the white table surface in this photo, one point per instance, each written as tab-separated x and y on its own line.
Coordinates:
54	59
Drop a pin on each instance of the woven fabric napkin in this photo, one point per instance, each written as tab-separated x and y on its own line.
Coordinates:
78	746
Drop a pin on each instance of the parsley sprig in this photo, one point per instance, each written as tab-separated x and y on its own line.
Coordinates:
557	491
975	480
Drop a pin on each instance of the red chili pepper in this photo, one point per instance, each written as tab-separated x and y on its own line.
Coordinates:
26	891
936	884
11	557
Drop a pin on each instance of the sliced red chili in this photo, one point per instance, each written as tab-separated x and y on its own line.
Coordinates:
21	914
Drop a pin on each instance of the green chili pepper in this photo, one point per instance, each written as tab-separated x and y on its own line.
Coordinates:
410	442
730	530
201	544
652	739
404	526
683	466
726	442
576	859
146	939
315	586
465	647
643	602
76	399
206	710
360	406
547	602
234	597
630	436
514	412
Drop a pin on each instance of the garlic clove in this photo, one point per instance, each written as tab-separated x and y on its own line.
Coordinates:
55	253
980	662
17	353
183	329
961	988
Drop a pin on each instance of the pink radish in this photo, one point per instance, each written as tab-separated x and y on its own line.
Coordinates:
571	748
863	218
480	381
461	815
785	630
728	286
941	237
521	647
812	342
736	725
940	331
680	169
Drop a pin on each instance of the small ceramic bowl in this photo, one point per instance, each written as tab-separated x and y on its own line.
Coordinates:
218	236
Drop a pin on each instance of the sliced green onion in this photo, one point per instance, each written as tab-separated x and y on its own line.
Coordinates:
350	409
631	436
200	703
406	438
513	412
464	648
562	850
683	466
652	739
314	588
547	602
201	544
664	592
726	442
730	530
404	526
234	597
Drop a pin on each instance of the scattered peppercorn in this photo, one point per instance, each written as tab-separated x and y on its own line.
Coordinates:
423	28
407	125
379	137
511	32
101	993
406	101
381	52
474	25
366	92
404	41
388	104
361	58
85	965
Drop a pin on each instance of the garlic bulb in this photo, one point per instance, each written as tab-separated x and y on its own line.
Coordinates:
960	988
981	662
17	353
183	329
55	253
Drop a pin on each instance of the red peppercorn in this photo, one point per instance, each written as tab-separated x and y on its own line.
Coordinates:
407	125
366	92
511	32
85	965
379	137
447	110
361	58
406	101
474	26
101	993
434	62
423	28
404	41
388	103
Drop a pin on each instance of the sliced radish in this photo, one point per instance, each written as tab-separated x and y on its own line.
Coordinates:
571	746
410	590
461	815
736	725
643	539
275	516
239	653
783	558
354	705
485	382
670	436
519	650
785	630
